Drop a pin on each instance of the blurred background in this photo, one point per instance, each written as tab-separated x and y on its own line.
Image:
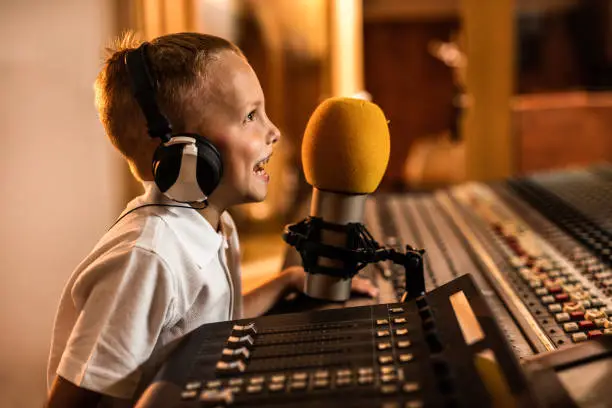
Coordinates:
473	89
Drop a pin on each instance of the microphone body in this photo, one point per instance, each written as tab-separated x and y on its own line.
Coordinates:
345	152
335	208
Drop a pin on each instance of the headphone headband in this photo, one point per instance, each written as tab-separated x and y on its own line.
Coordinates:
144	89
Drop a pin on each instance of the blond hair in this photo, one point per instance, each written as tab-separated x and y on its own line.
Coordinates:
179	64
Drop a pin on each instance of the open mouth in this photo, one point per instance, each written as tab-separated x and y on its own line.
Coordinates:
260	167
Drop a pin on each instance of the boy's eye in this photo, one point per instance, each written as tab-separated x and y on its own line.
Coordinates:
251	116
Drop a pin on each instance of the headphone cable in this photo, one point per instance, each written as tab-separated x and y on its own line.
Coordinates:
157	205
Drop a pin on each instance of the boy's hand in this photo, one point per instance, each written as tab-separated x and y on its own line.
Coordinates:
358	285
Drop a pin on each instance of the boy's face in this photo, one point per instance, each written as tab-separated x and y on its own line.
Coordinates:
236	122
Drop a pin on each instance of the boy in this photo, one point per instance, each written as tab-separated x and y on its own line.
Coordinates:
166	268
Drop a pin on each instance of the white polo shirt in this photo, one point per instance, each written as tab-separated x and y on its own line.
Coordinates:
156	275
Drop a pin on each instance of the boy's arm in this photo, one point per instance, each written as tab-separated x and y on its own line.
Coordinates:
261	299
65	394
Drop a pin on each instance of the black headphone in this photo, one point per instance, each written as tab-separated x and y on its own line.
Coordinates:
187	167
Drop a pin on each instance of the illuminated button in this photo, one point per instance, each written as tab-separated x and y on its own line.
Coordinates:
526	274
578	337
388	389
236	381
406	357
597	303
586	303
213	384
401	332
321	383
402	344
382	333
578	315
277	378
364	371
383	346
388	378
187	395
569	307
541	291
222	397
396	310
385	359
572	288
254	389
399	320
562	297
381	322
594	333
256	380
581	295
344	373
235	390
414	404
535	283
586	325
298	385
343	381
517	262
410	387
562	317
593	314
387	370
607	332
554	274
301	376
555	308
365	380
570	327
276	387
193	385
601	322
321	374
548	299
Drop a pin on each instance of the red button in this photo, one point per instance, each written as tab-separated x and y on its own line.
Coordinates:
577	315
586	325
562	297
594	333
555	289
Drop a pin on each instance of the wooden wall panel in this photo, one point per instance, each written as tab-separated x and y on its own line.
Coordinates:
413	88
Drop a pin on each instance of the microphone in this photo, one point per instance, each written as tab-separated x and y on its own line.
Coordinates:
345	152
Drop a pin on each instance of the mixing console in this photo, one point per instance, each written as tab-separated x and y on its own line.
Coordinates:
538	254
438	350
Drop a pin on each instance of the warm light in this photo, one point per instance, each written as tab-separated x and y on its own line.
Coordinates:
346	47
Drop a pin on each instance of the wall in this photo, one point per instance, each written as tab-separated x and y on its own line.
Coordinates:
59	177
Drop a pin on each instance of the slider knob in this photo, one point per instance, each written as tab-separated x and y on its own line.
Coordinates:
243	341
243	330
241	353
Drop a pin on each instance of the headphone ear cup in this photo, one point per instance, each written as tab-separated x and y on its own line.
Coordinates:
210	166
191	148
167	165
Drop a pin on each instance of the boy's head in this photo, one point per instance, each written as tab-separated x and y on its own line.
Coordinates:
204	85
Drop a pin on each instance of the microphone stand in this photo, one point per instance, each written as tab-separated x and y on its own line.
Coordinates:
361	249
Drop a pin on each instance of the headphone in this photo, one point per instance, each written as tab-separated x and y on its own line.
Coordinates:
187	167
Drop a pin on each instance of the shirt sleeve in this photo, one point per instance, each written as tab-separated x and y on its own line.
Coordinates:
125	300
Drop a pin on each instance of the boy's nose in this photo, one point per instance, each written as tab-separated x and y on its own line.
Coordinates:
274	134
